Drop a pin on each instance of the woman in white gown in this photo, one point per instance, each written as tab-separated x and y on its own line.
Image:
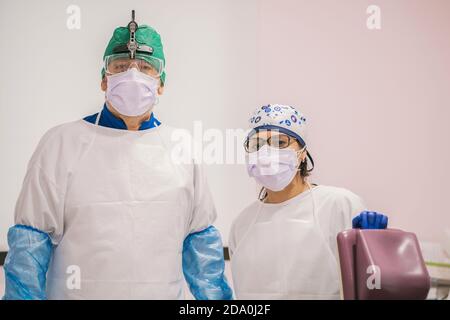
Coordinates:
283	245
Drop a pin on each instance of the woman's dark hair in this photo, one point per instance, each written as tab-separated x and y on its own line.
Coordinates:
304	171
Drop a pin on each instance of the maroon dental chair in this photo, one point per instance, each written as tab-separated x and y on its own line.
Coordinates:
382	264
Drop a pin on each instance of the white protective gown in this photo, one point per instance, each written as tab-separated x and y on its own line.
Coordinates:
117	208
289	250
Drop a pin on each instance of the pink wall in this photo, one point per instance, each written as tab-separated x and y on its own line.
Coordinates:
378	101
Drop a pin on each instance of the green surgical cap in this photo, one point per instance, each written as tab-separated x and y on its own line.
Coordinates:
145	35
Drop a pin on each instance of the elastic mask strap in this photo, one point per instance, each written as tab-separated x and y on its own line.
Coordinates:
312	161
314	209
97	120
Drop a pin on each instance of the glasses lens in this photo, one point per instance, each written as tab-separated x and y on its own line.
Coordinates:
117	64
279	141
254	144
151	66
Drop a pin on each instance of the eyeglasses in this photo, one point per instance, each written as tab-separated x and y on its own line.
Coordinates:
122	62
280	141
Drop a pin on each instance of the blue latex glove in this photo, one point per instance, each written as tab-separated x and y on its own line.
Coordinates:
370	220
204	265
27	263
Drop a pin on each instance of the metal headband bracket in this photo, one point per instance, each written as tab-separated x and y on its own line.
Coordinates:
132	47
132	27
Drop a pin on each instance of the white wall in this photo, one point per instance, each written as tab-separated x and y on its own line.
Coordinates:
53	76
377	101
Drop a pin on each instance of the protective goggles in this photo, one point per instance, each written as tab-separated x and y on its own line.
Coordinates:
121	62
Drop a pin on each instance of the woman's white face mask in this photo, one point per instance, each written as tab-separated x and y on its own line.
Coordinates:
272	167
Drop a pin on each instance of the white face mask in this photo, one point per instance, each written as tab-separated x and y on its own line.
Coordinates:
132	93
272	167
